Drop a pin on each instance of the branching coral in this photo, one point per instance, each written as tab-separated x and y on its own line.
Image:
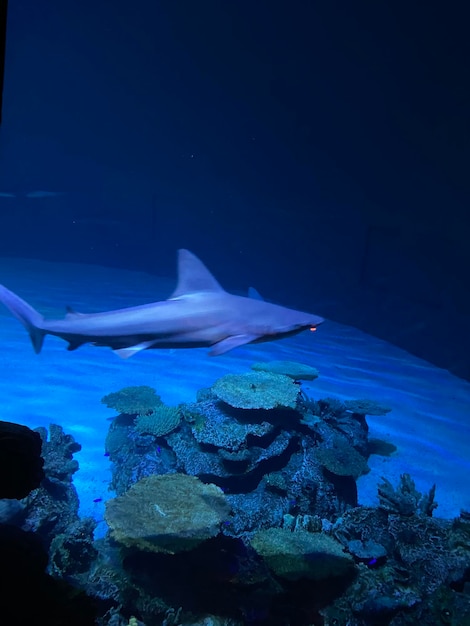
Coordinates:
406	499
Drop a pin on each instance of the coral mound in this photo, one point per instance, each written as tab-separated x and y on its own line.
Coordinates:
257	390
169	513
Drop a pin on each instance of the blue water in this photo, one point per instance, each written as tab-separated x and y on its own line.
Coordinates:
428	423
317	153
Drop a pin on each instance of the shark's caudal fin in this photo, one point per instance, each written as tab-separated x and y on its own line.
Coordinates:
29	317
193	276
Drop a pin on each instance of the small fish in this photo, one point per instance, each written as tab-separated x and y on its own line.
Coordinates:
98	500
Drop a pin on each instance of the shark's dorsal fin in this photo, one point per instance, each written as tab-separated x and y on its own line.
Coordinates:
254	294
193	276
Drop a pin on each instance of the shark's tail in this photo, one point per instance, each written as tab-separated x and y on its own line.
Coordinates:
29	317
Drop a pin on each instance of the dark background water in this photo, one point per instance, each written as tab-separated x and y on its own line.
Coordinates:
317	150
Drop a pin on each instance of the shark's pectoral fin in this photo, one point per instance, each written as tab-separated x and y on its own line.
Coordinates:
231	342
125	353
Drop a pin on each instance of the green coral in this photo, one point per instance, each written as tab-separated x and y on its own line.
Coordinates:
257	390
141	400
169	513
160	422
297	371
301	554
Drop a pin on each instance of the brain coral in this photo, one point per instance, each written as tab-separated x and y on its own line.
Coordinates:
301	554
169	513
160	422
140	400
257	390
297	371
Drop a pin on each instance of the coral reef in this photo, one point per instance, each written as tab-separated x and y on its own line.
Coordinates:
280	472
245	512
29	593
405	499
412	568
52	509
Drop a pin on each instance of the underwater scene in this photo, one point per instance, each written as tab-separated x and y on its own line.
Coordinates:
234	315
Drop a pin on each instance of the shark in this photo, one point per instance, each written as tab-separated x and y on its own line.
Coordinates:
199	313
